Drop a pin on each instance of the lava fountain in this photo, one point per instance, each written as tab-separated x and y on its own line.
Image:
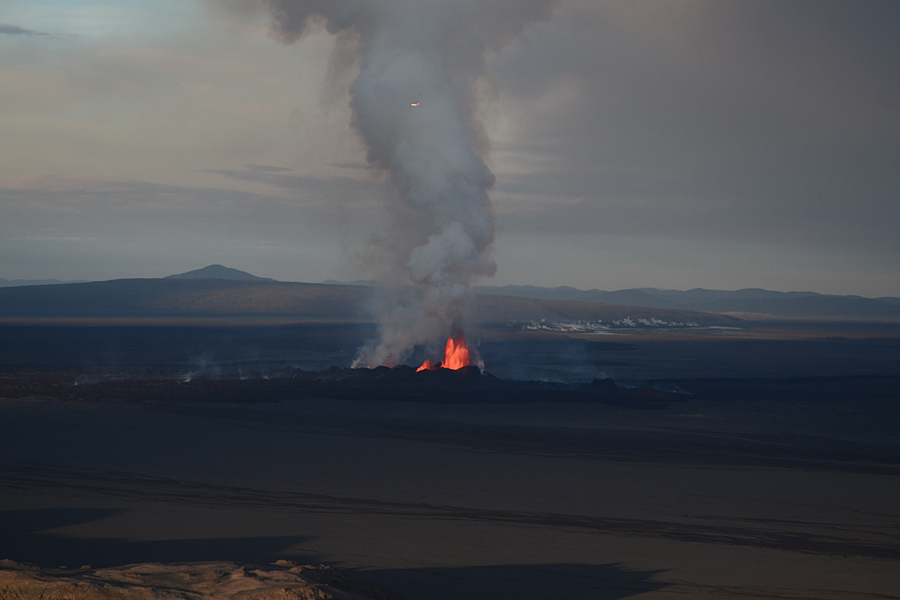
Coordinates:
456	355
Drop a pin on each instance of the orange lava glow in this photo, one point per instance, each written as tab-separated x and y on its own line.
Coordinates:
456	356
426	366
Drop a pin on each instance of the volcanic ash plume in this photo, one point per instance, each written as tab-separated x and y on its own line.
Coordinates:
420	64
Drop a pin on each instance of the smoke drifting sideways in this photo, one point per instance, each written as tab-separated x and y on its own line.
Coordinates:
421	66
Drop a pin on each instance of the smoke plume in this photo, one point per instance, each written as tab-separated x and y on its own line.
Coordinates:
421	64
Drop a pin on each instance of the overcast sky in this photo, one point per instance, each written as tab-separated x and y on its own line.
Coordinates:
669	143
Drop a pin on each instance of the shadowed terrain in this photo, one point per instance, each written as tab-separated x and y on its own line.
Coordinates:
706	462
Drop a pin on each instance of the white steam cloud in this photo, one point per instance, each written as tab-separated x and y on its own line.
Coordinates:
421	63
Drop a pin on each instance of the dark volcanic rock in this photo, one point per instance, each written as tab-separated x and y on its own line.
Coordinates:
403	383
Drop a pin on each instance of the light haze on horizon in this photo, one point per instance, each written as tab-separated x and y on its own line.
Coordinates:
666	143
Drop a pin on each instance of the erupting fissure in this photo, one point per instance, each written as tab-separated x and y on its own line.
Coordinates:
456	355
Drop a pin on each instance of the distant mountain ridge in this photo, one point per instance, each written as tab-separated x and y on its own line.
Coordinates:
749	300
23	282
212	290
209	297
357	282
218	272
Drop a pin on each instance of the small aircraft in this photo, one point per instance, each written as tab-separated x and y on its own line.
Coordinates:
414	104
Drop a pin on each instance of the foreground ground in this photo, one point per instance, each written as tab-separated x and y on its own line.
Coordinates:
185	581
770	470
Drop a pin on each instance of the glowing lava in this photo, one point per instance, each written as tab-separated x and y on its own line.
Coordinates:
456	355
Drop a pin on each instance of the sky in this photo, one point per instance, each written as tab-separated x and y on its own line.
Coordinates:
666	143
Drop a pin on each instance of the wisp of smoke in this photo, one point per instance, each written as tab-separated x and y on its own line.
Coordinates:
414	104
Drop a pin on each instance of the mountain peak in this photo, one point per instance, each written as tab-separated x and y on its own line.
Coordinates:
218	272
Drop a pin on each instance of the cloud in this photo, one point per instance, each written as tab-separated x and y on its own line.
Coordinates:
137	223
351	165
266	168
748	121
278	178
65	200
6	29
44	238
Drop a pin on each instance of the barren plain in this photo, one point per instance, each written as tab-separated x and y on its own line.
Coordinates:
761	461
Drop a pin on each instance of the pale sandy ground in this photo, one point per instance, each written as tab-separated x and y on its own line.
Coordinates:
185	581
457	501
